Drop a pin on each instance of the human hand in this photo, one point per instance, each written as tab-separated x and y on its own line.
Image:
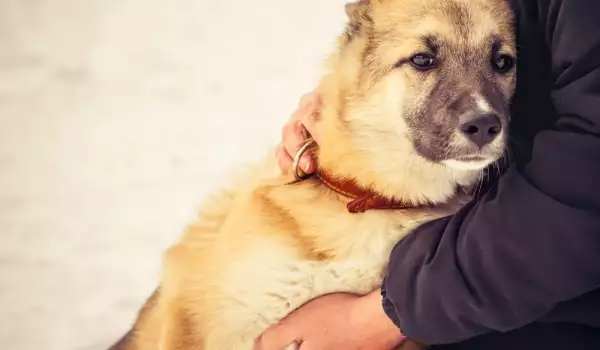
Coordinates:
333	322
295	131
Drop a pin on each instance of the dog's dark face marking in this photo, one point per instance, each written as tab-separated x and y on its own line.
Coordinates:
446	69
461	81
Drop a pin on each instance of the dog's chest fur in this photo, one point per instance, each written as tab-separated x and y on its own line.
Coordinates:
287	245
323	219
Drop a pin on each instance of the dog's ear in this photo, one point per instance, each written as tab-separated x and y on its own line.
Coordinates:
359	16
358	11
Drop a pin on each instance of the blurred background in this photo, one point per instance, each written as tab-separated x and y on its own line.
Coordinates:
116	119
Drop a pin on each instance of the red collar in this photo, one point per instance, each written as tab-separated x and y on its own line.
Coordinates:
362	199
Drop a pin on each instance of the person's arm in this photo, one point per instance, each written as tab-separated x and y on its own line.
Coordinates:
534	239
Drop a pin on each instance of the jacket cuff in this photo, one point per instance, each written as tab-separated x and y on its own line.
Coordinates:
388	305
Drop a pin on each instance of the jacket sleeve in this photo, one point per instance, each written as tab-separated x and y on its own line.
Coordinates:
533	240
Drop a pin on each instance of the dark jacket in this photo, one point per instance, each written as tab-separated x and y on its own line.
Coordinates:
527	253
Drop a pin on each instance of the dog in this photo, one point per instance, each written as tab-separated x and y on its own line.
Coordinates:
415	108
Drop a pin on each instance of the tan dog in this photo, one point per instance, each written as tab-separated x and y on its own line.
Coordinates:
415	107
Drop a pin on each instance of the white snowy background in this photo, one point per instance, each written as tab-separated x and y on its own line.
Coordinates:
116	119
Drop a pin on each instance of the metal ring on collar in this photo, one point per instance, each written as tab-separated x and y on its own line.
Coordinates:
299	174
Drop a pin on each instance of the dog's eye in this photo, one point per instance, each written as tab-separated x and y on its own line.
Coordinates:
503	63
422	61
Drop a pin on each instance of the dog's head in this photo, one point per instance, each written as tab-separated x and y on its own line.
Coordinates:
427	78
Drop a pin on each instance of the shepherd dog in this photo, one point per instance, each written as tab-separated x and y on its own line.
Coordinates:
415	109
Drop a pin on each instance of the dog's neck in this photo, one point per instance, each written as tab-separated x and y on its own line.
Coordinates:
361	199
415	182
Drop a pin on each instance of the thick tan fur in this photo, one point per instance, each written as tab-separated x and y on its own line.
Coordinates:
265	247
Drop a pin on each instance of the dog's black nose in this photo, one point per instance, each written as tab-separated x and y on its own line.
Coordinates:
481	129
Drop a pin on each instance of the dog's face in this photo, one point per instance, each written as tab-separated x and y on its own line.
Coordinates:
433	75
